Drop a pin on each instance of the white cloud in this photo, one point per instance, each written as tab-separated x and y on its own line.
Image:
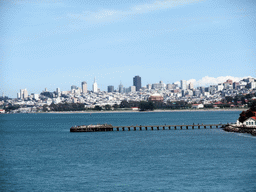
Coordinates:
110	15
206	81
177	82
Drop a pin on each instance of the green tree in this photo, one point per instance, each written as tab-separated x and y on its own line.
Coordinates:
144	106
252	105
45	108
115	106
124	104
108	107
97	108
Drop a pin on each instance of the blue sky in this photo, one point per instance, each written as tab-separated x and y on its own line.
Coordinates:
59	43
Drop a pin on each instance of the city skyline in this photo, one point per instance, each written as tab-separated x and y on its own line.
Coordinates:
182	85
56	44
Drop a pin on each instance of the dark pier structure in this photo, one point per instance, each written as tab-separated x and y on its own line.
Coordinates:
106	127
91	128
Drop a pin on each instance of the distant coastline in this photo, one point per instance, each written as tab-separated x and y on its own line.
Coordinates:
131	111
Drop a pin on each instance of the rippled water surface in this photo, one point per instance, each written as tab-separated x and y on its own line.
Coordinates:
38	153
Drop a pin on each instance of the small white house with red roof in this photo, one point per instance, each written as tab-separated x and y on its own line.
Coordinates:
250	122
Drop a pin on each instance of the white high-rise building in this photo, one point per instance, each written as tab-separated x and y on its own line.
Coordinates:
133	88
23	94
252	85
84	87
191	86
220	87
183	84
95	86
58	92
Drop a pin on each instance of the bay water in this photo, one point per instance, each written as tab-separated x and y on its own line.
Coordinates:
38	153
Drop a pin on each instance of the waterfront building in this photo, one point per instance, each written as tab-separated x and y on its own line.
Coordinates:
84	87
95	86
137	82
250	122
156	97
197	106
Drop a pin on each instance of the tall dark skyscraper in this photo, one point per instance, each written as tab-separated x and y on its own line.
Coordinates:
137	82
110	88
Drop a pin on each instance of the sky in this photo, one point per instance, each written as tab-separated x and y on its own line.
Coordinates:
58	43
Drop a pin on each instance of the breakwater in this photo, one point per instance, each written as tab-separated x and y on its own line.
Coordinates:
240	129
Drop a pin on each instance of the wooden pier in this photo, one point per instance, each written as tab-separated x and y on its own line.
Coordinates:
98	128
166	127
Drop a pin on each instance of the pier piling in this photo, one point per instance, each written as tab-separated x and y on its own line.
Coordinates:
105	127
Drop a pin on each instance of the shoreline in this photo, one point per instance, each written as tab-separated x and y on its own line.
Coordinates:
236	129
157	111
131	111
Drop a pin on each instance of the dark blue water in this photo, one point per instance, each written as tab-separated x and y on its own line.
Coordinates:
38	153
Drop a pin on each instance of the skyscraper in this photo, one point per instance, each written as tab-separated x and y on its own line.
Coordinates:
110	88
23	94
121	88
58	92
95	86
137	82
84	87
190	85
183	84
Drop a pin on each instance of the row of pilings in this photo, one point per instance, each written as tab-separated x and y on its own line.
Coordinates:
164	127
